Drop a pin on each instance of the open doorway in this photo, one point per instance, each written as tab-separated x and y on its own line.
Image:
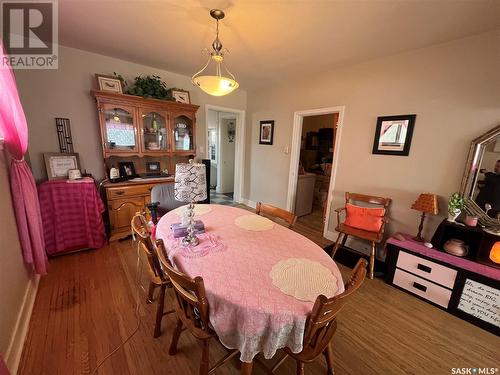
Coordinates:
314	156
222	142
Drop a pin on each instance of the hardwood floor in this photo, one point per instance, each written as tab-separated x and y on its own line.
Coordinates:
85	308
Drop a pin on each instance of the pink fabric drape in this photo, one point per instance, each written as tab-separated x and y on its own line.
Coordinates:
24	194
3	367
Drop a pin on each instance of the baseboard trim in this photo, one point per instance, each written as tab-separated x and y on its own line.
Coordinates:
15	349
248	202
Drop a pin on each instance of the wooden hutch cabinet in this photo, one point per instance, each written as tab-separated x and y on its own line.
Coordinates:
142	129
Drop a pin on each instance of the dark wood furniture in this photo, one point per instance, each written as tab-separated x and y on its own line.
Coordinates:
276	212
158	278
460	286
322	324
192	309
374	237
478	241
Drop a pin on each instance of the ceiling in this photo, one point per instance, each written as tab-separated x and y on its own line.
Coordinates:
268	40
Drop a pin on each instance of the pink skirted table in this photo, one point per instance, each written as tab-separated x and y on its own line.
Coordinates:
247	311
71	215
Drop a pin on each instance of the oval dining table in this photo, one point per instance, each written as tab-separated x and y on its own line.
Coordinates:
247	311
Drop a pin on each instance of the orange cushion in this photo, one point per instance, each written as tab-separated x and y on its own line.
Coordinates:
365	218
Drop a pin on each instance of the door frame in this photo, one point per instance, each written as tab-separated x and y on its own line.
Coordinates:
298	118
239	152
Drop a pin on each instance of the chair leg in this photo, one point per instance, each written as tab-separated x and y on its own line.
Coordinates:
175	338
152	287
159	311
300	368
372	261
344	239
329	359
336	246
204	365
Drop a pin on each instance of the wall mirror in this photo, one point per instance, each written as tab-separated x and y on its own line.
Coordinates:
481	181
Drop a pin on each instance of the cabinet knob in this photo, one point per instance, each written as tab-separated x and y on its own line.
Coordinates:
121	192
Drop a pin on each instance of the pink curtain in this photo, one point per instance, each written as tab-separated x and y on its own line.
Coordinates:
14	129
3	367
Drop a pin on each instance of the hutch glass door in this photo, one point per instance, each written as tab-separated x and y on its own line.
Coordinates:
183	133
154	131
120	128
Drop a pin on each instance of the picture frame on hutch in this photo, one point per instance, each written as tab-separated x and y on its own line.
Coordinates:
109	83
393	135
180	96
127	170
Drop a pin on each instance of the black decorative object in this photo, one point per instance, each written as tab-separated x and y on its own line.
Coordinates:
266	133
393	135
64	135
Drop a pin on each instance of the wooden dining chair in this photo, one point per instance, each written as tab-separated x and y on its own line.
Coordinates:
192	310
367	223
322	323
157	277
275	212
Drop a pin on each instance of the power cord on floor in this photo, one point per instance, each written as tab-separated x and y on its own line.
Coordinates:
137	307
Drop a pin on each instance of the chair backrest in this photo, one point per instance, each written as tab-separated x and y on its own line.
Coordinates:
191	303
322	322
267	209
143	235
372	199
164	195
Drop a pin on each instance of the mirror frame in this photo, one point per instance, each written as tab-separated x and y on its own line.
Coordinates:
470	176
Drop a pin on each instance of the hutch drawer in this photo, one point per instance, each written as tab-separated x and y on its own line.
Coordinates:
427	269
425	289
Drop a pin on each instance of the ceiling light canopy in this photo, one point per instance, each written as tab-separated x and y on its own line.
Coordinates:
222	81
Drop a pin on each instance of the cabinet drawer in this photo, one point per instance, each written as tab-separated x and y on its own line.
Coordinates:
129	191
423	288
425	268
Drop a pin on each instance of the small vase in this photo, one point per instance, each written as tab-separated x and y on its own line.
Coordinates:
453	216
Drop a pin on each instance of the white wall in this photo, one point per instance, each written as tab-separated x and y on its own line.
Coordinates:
46	94
227	150
454	88
16	280
212	123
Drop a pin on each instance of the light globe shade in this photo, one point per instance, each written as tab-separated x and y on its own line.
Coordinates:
215	85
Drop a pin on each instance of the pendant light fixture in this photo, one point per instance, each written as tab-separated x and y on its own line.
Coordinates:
221	82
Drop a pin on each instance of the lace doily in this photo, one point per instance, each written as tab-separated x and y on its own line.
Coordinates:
303	279
254	222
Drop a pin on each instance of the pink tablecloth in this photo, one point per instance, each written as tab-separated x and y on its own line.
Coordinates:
71	216
246	310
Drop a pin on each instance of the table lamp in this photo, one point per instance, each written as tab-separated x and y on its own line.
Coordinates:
427	204
495	253
190	186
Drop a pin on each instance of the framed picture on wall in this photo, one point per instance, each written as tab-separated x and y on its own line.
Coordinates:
393	135
266	133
